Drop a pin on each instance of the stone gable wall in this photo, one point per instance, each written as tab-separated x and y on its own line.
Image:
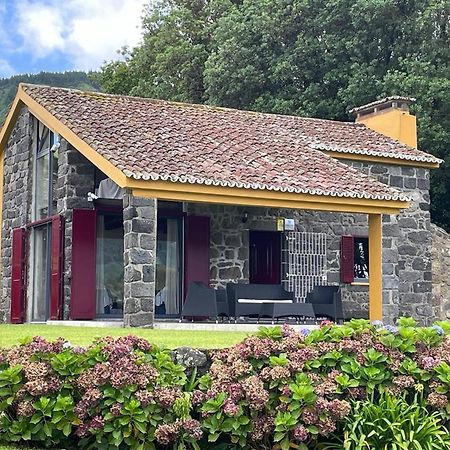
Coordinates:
75	180
411	241
17	189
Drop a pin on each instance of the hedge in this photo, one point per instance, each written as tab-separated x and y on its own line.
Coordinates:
277	389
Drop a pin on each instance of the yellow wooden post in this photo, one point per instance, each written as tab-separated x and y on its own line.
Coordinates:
375	268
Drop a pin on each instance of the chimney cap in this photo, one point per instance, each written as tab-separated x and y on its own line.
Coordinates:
386	102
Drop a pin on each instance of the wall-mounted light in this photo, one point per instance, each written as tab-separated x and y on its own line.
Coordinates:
245	218
91	197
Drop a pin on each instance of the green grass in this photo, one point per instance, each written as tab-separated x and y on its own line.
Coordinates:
12	334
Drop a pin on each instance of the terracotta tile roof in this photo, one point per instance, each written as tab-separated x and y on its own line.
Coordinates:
159	140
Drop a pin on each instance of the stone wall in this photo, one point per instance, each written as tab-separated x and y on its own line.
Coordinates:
17	188
75	180
407	243
139	220
441	273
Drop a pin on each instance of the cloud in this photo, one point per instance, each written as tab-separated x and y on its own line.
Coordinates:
41	28
6	70
85	32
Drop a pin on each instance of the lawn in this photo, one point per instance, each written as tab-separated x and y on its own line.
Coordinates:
12	334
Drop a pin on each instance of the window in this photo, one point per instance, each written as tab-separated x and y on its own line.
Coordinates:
46	172
354	259
45	263
361	258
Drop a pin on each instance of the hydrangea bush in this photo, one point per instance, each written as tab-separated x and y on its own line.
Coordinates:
278	389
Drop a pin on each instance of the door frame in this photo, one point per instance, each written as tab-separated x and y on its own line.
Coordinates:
99	208
167	213
29	269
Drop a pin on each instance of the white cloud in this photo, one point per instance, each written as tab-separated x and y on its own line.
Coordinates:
41	27
87	32
6	70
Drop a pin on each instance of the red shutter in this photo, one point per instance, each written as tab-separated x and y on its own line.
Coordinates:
83	284
347	259
18	275
57	267
196	250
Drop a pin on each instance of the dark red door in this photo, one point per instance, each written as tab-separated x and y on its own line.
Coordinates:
18	275
83	285
265	257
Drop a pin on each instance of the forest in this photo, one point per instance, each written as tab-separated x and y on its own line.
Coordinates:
316	58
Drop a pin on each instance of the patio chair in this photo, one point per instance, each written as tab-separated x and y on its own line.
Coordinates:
222	303
231	299
200	301
326	302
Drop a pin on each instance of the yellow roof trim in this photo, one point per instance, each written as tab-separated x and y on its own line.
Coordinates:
167	190
196	192
9	123
380	159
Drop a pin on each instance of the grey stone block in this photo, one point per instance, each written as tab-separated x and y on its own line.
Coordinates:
143	319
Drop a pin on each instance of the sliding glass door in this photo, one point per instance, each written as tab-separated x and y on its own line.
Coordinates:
41	238
168	267
109	268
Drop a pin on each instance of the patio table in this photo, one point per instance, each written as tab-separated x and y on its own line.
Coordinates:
276	310
259	300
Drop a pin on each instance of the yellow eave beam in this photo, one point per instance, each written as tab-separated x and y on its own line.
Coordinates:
167	190
9	123
380	159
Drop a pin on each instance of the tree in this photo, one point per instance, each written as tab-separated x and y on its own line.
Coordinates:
307	57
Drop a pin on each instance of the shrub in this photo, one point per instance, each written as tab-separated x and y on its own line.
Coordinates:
278	389
391	422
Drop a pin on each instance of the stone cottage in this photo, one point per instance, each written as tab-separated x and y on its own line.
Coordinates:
112	205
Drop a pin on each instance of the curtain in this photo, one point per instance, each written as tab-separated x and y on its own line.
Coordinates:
101	291
172	275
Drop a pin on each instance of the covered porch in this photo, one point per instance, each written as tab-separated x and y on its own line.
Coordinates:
219	228
173	242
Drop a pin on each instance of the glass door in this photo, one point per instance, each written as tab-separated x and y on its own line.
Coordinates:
168	267
41	238
110	267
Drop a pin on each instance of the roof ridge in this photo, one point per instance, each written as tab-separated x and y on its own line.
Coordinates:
193	105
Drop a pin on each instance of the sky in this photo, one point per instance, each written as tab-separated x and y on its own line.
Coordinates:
58	35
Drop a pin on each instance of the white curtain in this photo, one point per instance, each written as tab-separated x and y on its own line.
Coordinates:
100	266
172	276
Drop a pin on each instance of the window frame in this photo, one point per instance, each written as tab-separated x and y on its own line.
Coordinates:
356	279
38	153
347	257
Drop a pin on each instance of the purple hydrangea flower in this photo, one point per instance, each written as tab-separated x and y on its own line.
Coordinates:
377	324
305	331
439	330
391	328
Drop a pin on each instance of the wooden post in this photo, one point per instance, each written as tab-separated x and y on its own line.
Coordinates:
375	268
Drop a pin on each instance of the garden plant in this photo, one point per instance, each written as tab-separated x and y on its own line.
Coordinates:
351	387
